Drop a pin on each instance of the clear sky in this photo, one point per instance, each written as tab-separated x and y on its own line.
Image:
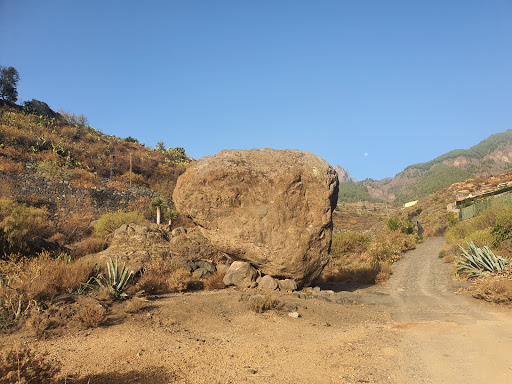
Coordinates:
372	85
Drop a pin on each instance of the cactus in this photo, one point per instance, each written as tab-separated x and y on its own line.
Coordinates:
479	261
116	280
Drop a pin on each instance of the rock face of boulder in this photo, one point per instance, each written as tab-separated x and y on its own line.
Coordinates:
272	208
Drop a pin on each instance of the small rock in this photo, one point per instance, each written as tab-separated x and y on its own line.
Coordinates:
200	273
222	268
287	285
241	273
267	282
178	231
295	315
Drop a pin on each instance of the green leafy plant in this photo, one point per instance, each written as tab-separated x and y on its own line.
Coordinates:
109	222
116	280
476	261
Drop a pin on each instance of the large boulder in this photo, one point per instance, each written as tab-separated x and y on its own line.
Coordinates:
272	208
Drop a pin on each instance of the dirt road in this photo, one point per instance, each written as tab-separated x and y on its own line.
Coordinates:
412	330
446	338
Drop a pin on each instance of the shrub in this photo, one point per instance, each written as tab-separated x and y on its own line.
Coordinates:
389	246
492	290
21	365
109	222
481	238
18	223
404	225
214	281
502	229
263	304
89	246
349	242
26	283
163	277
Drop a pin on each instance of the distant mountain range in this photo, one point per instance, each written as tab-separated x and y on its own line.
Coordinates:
491	156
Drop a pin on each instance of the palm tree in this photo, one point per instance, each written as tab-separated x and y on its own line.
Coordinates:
158	203
170	215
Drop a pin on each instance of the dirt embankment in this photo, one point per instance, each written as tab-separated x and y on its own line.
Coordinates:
413	330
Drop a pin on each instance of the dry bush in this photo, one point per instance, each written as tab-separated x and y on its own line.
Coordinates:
142	207
23	366
18	223
117	185
162	277
349	242
80	178
389	246
75	226
135	305
364	274
90	315
135	177
495	290
214	281
385	271
88	246
28	282
6	190
263	304
10	166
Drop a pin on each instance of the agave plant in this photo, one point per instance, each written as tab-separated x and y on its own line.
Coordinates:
116	280
478	261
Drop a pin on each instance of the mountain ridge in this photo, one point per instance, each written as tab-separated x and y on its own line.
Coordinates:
490	156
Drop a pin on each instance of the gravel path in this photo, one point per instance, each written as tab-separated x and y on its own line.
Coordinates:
447	338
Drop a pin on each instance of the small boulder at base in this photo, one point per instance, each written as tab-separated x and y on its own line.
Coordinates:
287	285
242	274
267	282
272	208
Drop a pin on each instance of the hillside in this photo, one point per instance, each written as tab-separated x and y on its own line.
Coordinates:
71	173
491	156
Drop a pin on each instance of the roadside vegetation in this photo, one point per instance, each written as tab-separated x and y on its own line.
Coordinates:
482	251
367	258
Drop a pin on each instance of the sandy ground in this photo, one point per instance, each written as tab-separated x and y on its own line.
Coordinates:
412	330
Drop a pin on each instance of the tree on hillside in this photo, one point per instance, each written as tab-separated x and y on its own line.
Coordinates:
9	78
158	203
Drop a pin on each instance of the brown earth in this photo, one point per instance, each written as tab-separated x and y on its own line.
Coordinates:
413	330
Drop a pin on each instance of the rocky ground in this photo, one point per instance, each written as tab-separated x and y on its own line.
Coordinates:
412	330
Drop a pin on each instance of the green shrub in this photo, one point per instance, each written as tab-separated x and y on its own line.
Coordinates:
109	222
403	225
347	242
19	223
481	238
502	229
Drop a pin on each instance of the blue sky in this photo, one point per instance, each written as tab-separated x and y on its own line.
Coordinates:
372	85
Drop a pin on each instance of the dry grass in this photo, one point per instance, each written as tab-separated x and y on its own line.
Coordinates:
492	289
21	365
162	277
26	283
214	281
263	304
90	315
10	166
363	274
89	245
135	305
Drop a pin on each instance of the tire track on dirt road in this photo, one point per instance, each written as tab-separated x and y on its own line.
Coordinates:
446	338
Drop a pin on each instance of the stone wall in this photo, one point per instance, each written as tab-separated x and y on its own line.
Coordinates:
62	197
